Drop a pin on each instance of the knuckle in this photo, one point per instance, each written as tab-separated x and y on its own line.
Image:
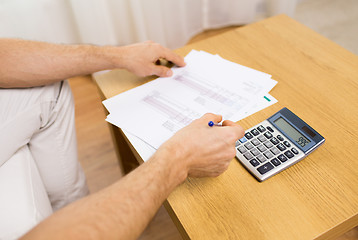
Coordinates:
209	115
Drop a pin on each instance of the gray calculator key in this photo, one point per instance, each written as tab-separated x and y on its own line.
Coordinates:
282	158
281	147
261	138
261	158
289	154
275	151
275	162
261	128
280	137
254	162
248	155
255	132
294	150
255	152
248	146
268	154
241	149
248	135
274	140
265	168
262	148
270	129
268	135
268	144
287	144
237	143
255	142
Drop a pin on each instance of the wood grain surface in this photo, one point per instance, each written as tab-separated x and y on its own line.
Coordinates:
314	199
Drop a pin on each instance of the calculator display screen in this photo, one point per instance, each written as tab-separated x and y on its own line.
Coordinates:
291	132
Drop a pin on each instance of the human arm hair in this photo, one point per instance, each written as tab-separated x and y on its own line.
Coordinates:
123	210
26	63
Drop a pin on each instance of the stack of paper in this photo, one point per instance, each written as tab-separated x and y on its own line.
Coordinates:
154	111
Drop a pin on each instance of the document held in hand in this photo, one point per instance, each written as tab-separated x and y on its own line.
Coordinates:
153	112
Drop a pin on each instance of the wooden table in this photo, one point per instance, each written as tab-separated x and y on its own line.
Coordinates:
314	199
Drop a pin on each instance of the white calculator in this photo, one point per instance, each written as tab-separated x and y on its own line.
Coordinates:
276	144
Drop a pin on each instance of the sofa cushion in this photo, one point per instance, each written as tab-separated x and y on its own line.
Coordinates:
23	198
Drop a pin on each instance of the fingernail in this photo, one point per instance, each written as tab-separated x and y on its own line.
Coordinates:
169	73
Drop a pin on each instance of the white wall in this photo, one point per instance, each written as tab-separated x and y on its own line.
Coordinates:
45	20
119	22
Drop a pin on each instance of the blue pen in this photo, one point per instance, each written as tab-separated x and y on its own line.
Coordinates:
211	123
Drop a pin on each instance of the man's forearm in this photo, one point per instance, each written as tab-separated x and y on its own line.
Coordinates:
121	211
30	63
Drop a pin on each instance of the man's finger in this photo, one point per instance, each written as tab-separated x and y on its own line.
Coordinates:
211	117
162	71
228	123
173	57
239	131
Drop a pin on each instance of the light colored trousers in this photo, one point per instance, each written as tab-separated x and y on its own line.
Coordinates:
37	126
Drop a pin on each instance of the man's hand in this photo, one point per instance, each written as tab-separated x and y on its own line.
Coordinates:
141	59
196	150
203	151
31	63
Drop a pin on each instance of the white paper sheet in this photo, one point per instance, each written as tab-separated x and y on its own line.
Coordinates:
154	111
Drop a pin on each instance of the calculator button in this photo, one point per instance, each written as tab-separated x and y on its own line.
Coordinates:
268	144
248	156
248	135
248	146
255	132
261	138
274	141
268	155
261	128
261	148
282	158
275	151
255	152
268	135
280	137
255	142
261	158
237	143
289	154
287	144
241	149
294	150
270	129
242	140
265	168
275	162
281	147
254	162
